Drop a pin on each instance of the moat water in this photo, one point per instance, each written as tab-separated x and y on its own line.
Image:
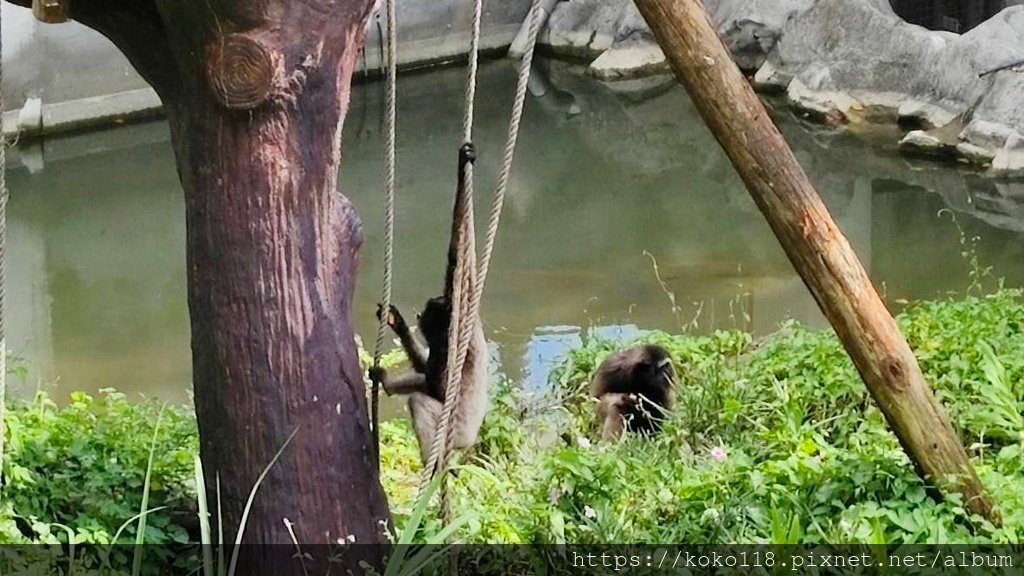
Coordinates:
606	184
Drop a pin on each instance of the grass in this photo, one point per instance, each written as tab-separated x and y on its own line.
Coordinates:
807	456
772	441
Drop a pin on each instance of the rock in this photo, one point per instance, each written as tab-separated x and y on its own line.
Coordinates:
1002	106
770	79
751	28
838	61
919	142
1009	161
642	89
974	154
630	60
632	26
986	134
30	117
588	28
862	49
995	42
583	28
923	114
823	106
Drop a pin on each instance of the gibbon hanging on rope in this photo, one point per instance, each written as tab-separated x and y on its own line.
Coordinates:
425	384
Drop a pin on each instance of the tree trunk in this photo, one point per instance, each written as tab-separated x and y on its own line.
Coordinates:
256	92
818	250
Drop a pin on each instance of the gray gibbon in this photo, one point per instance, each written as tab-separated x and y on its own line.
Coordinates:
424	384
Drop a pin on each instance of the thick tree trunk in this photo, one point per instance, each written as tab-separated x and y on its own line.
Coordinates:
816	247
256	91
272	257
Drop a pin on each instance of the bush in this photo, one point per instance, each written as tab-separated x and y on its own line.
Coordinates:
772	441
83	467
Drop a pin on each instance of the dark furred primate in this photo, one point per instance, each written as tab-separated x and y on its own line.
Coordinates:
633	388
424	384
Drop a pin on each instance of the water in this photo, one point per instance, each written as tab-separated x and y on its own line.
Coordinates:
605	185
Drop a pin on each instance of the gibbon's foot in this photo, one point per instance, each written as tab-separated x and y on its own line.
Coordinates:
378	374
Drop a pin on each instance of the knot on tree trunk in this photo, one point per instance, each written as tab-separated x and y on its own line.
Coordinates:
244	70
50	11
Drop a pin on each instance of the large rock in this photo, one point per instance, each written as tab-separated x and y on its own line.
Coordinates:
751	28
628	60
843	56
1009	161
862	49
588	29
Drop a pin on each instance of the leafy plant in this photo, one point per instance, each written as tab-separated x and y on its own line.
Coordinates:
84	466
774	440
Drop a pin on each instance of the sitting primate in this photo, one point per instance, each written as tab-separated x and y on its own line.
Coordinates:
425	384
633	388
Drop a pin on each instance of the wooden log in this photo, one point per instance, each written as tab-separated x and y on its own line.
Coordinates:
818	250
50	11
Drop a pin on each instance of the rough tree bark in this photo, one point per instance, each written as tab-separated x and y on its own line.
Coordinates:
818	250
256	92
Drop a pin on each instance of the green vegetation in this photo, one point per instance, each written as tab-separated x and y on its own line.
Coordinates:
83	467
772	441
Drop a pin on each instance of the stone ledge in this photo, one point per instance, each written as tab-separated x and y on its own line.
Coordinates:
83	114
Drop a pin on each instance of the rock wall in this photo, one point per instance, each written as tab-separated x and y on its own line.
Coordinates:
613	34
853	60
842	61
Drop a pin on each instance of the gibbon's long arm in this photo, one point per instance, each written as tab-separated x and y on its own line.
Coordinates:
414	350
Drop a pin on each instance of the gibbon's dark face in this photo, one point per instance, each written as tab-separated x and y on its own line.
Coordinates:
655	366
433	321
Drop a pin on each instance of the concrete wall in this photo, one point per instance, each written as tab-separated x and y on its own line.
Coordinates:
59	62
64	62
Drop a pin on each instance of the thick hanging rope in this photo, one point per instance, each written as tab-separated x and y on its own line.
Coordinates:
3	260
389	217
494	220
458	335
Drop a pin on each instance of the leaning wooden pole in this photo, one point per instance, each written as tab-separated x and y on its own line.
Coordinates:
815	246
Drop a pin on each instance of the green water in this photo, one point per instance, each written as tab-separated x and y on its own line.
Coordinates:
604	185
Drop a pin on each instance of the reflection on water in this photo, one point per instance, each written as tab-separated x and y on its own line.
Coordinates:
605	186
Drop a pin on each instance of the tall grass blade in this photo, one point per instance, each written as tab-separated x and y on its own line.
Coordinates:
220	533
397	564
205	539
140	536
252	496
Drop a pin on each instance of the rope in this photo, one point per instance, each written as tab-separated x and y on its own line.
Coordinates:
474	61
389	218
3	259
498	204
458	334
